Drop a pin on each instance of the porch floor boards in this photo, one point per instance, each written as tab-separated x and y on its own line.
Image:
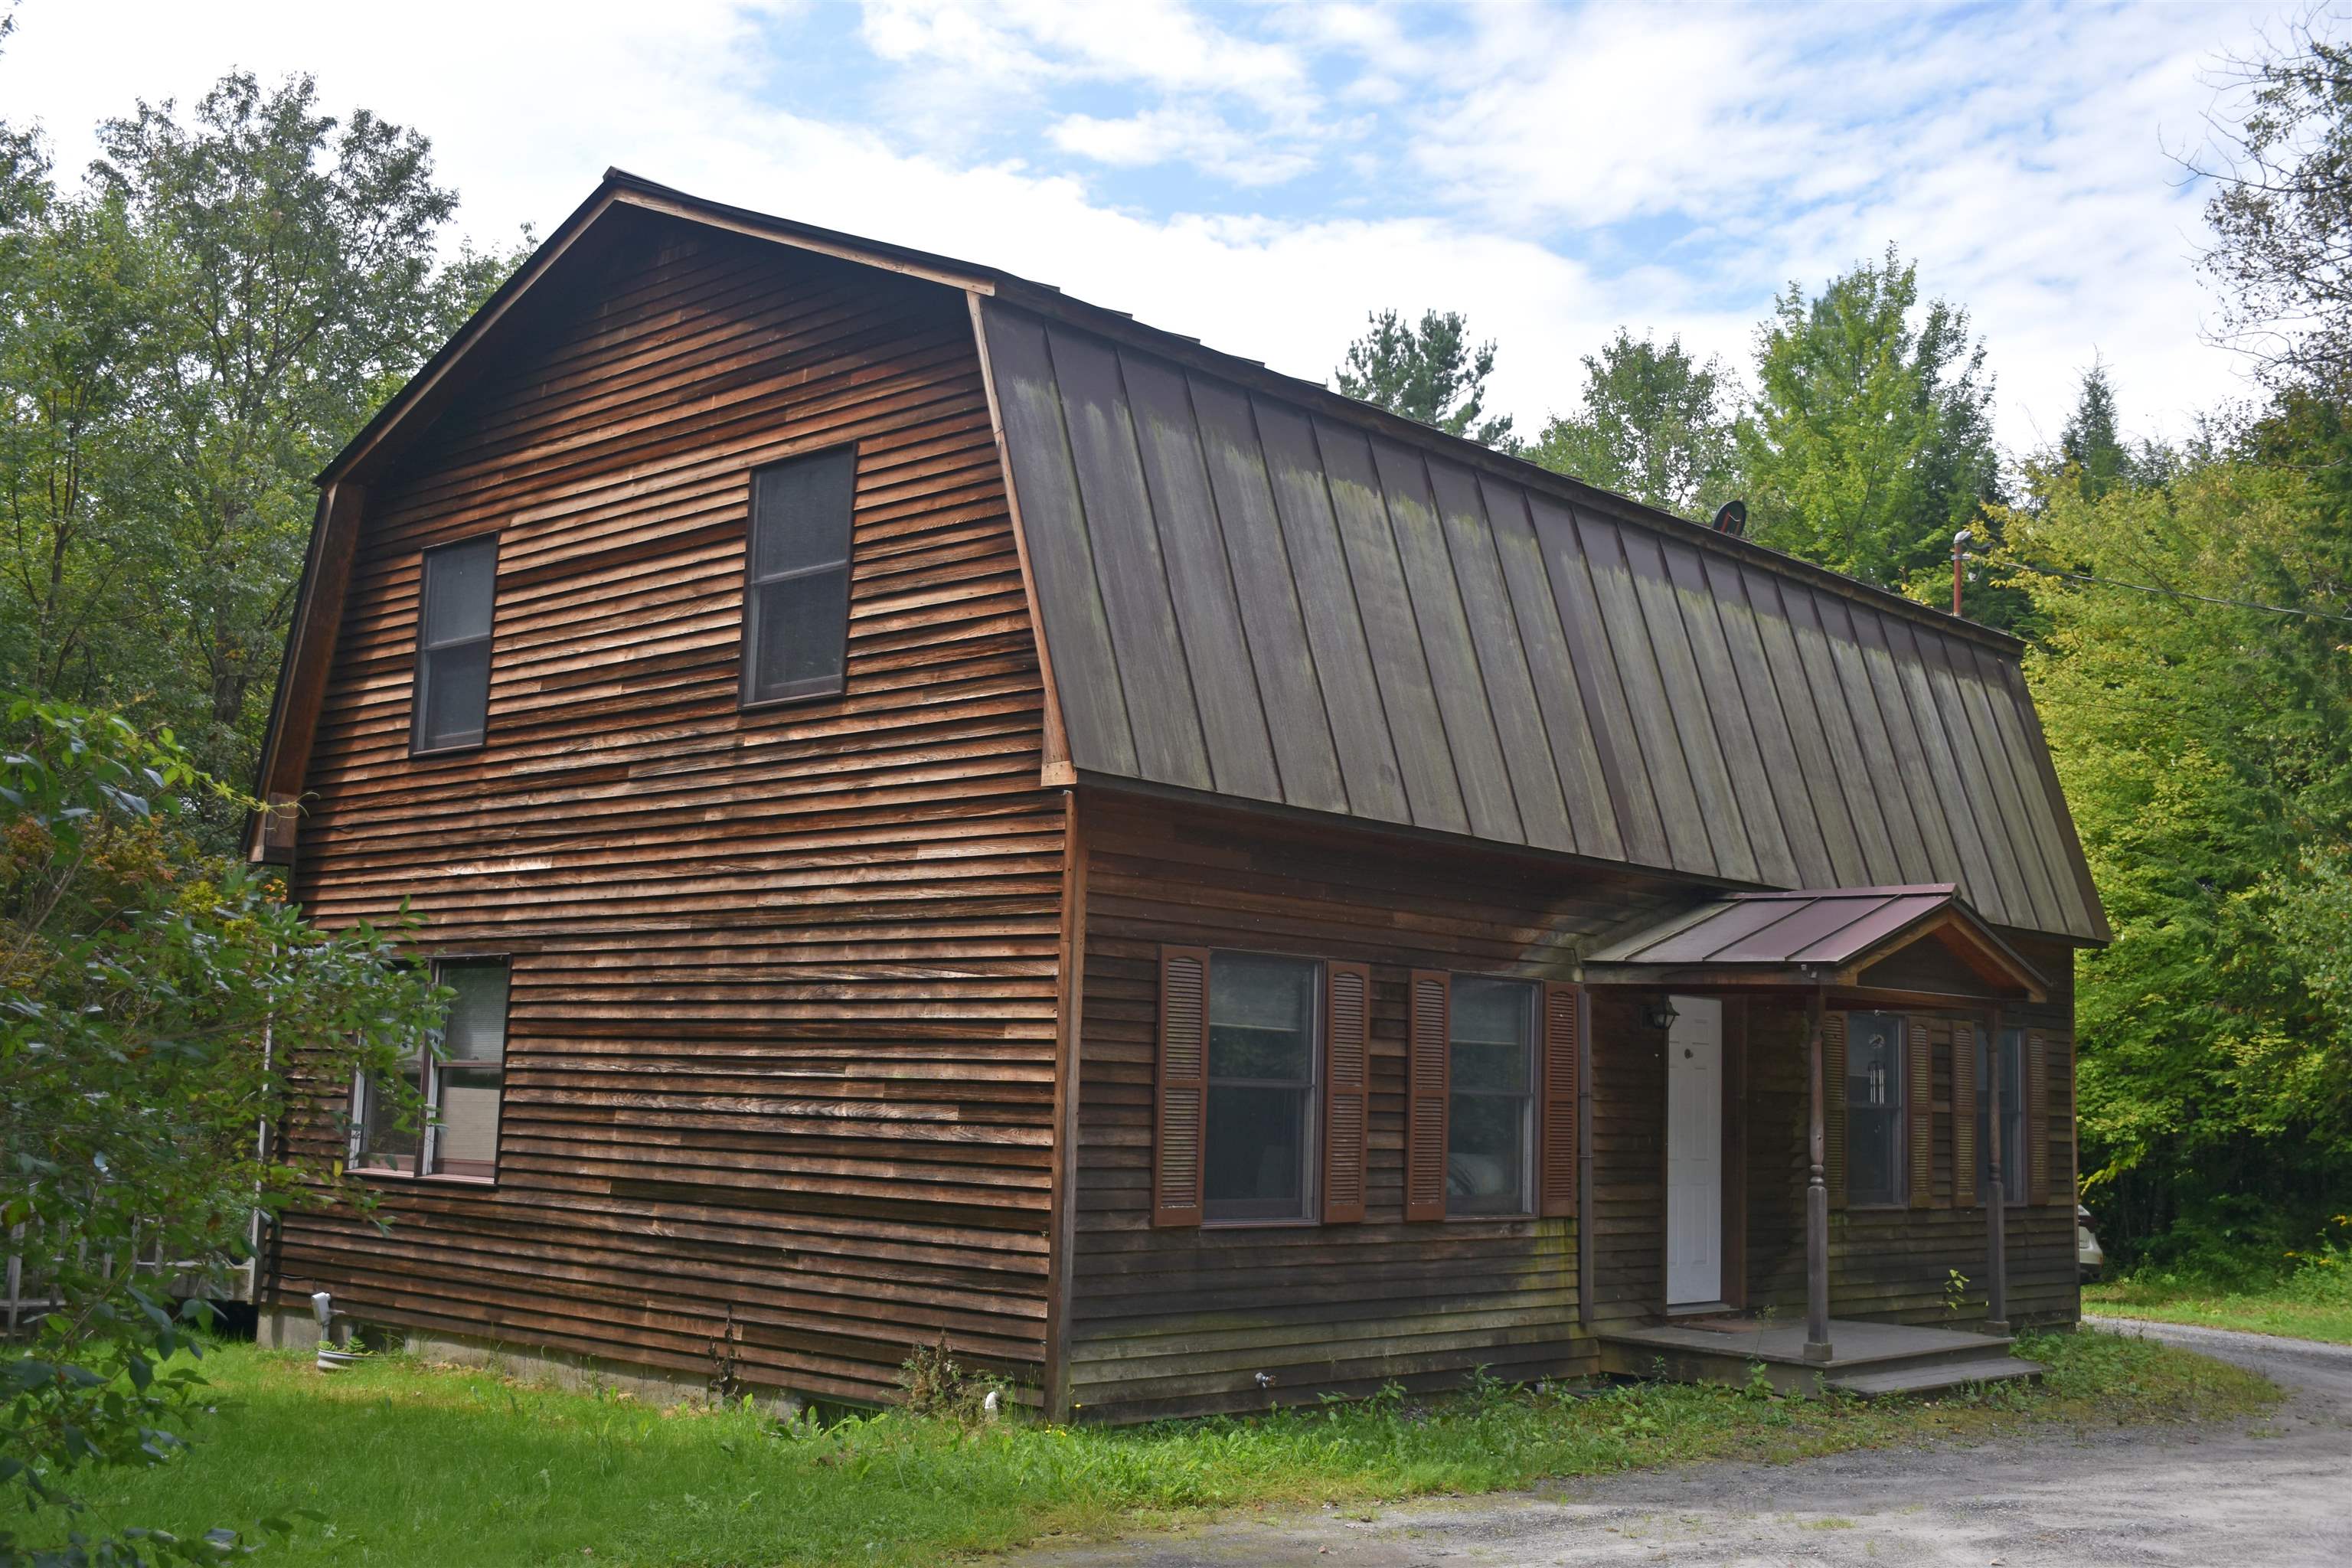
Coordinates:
1866	1359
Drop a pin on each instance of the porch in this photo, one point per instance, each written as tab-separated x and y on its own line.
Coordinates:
1731	1125
1870	1360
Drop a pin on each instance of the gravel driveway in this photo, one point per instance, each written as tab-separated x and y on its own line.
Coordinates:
2277	1491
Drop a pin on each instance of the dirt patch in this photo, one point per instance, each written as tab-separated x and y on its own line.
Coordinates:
2271	1492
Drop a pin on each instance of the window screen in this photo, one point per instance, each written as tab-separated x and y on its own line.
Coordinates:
1490	1106
469	1075
796	594
1262	1055
1874	1107
453	647
459	1074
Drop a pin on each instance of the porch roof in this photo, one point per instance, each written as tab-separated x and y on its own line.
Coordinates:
1825	936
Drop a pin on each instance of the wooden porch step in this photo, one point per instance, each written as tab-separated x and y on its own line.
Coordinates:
1937	1376
1866	1358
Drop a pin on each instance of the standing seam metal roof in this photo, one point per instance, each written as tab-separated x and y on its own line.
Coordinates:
1243	595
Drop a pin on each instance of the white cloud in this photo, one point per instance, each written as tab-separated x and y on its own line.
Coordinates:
1161	45
1553	173
1189	135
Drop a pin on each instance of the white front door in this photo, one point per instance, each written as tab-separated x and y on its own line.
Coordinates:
1694	1152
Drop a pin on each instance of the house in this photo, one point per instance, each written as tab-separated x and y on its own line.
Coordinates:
950	813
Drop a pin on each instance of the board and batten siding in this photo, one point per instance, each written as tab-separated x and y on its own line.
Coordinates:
781	1042
1177	1321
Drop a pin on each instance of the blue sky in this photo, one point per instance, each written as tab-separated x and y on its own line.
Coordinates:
1262	176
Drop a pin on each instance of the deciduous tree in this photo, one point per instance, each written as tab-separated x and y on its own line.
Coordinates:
159	1006
1656	425
2282	210
1870	442
295	282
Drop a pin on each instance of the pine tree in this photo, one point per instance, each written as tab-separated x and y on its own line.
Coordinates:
1430	373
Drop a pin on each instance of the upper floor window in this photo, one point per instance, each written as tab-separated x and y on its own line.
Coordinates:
1490	1103
796	588
459	1074
452	700
1874	1107
1261	1079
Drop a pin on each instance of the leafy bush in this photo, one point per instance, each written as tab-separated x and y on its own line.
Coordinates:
155	1002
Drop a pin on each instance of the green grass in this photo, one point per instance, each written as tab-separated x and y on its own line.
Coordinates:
411	1464
2310	1299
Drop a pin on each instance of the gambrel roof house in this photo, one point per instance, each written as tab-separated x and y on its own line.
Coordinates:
949	812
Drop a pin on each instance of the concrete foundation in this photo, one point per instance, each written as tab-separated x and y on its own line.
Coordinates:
282	1328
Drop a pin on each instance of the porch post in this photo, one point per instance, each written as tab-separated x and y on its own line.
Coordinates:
1817	1202
1997	1213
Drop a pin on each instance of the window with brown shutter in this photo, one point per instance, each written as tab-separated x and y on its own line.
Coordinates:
1240	1111
1563	1049
1428	1021
1920	1099
1346	1086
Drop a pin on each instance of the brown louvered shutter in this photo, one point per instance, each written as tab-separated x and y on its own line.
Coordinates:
1426	1089
1563	1047
1919	1110
1347	1089
2037	1117
1180	1129
1965	1054
1833	1106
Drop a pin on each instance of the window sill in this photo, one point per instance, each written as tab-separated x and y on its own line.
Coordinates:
1514	1217
1261	1223
435	753
790	699
416	1178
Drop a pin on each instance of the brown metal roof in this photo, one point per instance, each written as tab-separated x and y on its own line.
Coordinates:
1244	595
1830	929
1829	934
1251	586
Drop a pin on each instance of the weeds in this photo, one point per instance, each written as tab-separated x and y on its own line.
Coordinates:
939	1388
552	1476
2305	1294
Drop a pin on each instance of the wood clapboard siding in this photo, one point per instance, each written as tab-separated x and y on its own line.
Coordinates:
1893	1264
1629	1160
781	1032
1257	595
1181	1320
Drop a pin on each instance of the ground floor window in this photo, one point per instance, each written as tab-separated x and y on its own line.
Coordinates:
2013	1115
1874	1107
462	1083
1259	1159
1490	1105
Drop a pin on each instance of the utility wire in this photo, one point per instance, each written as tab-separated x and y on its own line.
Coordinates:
2169	593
